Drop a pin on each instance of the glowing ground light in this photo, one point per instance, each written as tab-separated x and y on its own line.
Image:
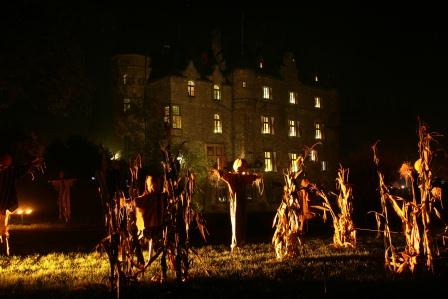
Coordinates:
22	212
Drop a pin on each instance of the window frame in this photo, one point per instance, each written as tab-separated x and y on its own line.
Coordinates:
318	131
191	88
267	125
126	105
267	92
217	124
292	162
317	102
293	96
216	92
270	161
293	127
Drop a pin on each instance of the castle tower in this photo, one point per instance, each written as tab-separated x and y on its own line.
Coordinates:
130	74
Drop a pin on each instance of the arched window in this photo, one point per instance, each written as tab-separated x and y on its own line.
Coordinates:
190	88
216	92
217	124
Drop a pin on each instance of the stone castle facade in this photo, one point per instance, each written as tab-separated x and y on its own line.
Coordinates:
244	113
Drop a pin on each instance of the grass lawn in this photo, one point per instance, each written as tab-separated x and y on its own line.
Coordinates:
253	271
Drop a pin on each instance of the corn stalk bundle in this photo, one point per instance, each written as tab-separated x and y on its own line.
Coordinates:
179	216
415	213
292	211
344	230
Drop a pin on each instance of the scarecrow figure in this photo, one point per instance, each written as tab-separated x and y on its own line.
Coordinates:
150	208
237	180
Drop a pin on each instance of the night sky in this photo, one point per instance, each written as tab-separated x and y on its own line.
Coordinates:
388	64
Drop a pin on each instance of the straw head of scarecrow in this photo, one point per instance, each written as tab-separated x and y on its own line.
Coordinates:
240	165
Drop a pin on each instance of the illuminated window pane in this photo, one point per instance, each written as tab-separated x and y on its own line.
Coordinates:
267	92
260	64
317	102
177	118
267	125
216	155
244	84
313	155
318	131
216	92
293	128
316	78
323	165
269	161
126	105
190	88
166	115
217	129
292	97
293	162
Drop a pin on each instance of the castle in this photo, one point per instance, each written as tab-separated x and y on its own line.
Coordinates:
242	113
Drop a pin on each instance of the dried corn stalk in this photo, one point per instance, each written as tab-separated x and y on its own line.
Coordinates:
293	212
415	213
180	214
344	229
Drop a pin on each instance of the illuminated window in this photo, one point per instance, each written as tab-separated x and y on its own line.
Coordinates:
318	131
190	88
125	79
126	105
313	155
216	92
260	64
293	128
292	97
267	92
216	155
177	118
317	102
323	165
166	115
217	129
293	162
269	161
267	125
244	84
316	78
